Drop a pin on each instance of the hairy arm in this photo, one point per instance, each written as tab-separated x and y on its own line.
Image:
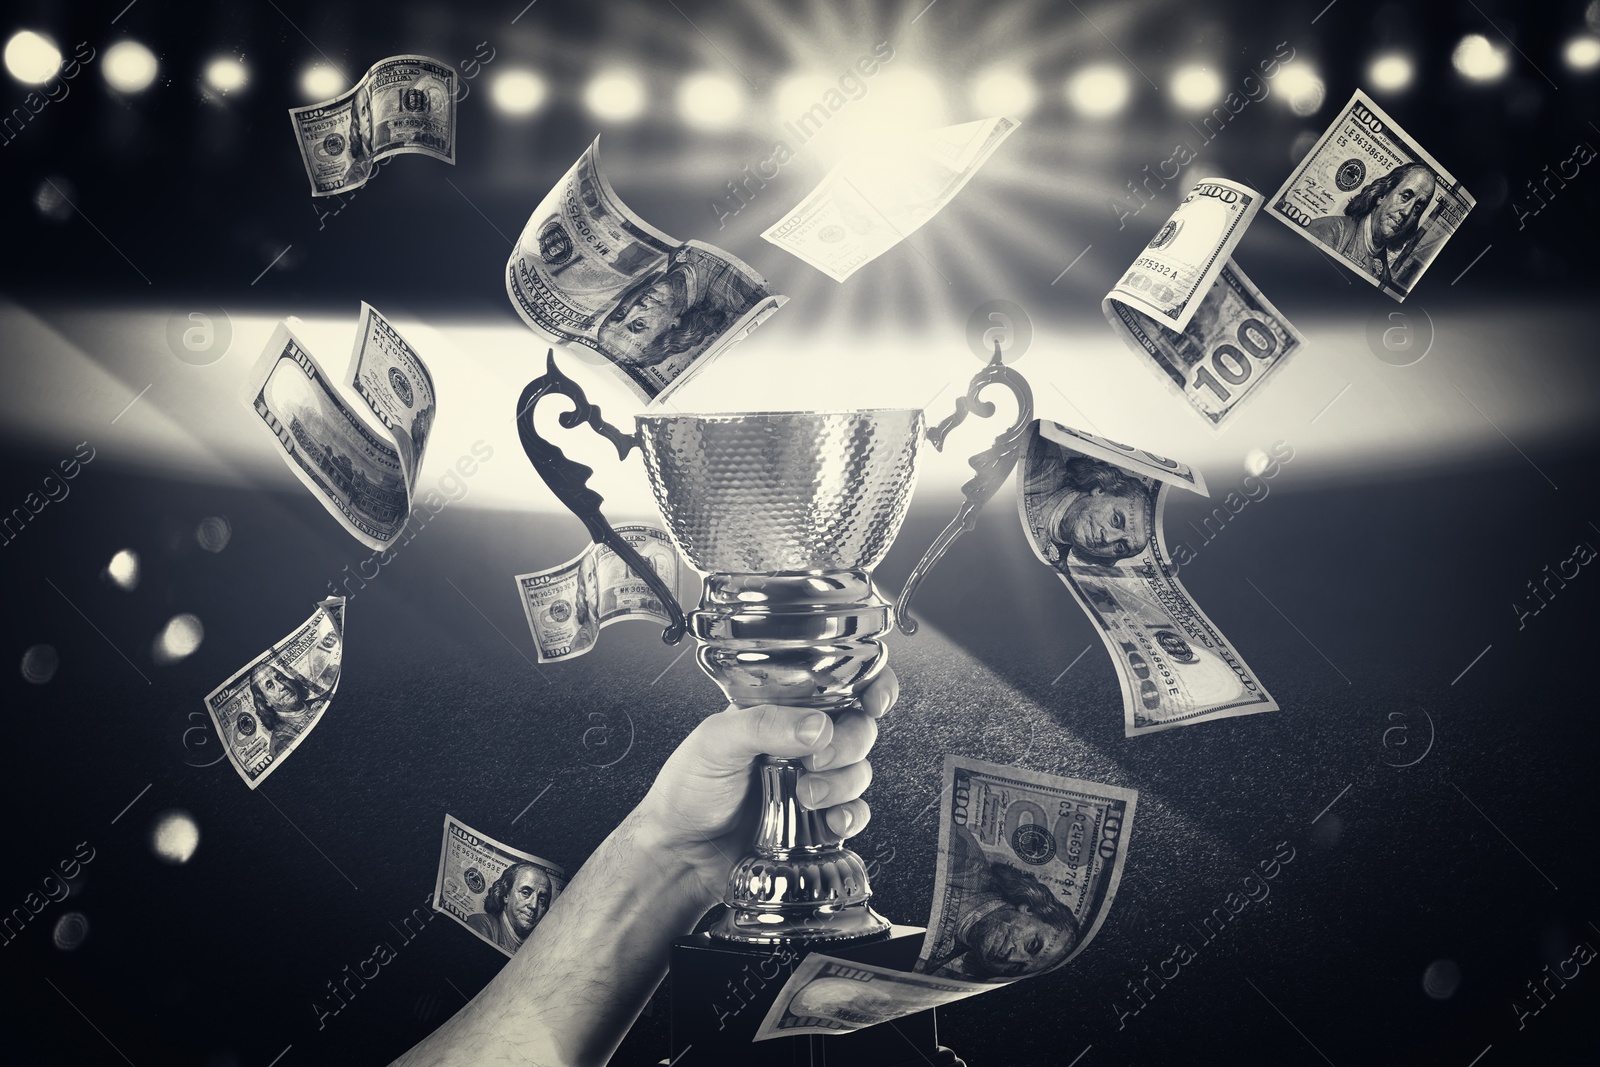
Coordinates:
573	990
569	995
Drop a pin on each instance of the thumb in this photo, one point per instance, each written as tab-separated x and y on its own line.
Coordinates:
731	739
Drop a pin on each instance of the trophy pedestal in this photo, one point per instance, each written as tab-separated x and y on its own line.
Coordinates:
721	991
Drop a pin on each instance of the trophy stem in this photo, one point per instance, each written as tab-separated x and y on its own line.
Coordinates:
806	640
786	829
801	884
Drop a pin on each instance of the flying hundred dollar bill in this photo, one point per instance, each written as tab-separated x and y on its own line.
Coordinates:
271	704
1235	340
1177	268
588	272
1371	195
498	892
568	606
1029	864
1096	520
832	996
364	478
402	104
874	200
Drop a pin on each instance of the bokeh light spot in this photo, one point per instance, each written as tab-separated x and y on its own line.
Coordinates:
1099	91
226	74
39	664
1441	979
178	638
1301	88
71	930
321	82
1195	87
1479	59
616	96
174	836
32	58
213	533
518	92
1582	53
129	67
1302	143
123	570
53	199
710	101
1390	73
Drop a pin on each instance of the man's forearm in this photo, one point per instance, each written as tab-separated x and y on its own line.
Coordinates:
570	993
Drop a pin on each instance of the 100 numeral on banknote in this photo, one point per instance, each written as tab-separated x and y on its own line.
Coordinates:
1097	521
1235	342
403	104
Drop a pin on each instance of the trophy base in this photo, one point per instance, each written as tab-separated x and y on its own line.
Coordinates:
721	992
818	928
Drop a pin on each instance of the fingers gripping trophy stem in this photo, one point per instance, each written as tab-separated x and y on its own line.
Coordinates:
803	640
568	479
992	467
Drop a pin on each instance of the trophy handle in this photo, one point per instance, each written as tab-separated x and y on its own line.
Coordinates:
569	479
992	466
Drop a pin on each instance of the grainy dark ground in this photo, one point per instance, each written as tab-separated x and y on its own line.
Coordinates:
1480	854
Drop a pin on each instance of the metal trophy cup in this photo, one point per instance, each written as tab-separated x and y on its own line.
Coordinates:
786	514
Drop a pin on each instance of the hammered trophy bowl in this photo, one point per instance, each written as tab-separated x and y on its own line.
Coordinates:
786	514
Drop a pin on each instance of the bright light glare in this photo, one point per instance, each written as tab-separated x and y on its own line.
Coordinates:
1301	88
129	67
123	570
710	101
32	58
225	74
179	638
1477	58
798	92
1195	88
616	96
174	836
1001	92
321	82
518	92
1582	53
908	98
1099	91
1390	73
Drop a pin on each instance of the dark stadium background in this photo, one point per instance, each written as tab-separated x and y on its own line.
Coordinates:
1432	767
